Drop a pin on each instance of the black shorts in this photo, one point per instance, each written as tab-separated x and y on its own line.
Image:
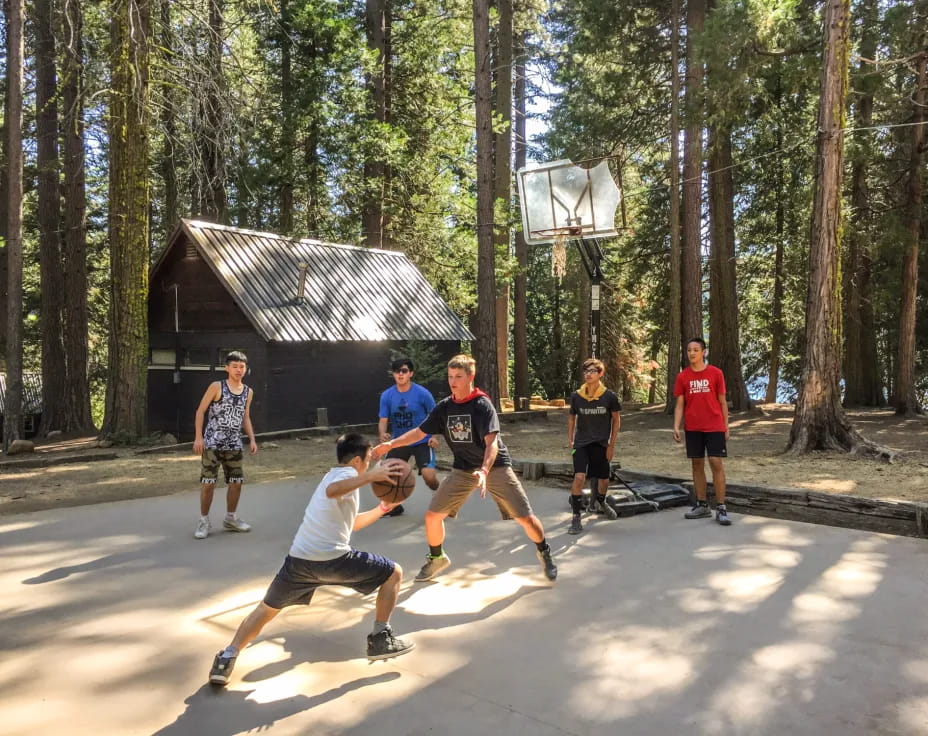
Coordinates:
590	460
425	455
297	579
700	444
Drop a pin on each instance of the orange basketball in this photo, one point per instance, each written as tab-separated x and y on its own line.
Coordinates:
399	489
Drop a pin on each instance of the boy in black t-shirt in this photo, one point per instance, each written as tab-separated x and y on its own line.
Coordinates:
592	429
469	422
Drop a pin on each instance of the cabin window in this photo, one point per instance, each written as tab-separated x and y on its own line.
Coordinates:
162	356
198	358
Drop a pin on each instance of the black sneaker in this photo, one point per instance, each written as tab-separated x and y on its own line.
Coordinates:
222	668
544	557
395	511
384	645
575	525
721	516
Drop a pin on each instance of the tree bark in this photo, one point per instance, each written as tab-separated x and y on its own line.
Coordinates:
905	401
855	390
4	191
723	295
13	399
54	370
128	219
502	149
168	164
376	175
776	309
520	282
213	201
288	120
485	344
819	422
74	241
691	267
674	335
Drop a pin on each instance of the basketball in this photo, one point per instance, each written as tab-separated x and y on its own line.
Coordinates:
399	489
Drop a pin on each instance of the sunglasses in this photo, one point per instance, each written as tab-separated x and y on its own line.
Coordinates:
592	370
403	370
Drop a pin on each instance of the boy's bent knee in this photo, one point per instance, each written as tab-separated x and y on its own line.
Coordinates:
397	572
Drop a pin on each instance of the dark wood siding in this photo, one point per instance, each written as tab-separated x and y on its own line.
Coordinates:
171	406
203	303
346	378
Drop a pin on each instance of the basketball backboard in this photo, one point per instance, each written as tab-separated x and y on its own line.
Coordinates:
559	198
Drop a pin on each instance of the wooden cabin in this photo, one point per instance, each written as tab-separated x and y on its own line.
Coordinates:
316	320
32	403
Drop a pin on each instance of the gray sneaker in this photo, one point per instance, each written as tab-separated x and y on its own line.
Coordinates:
699	511
606	510
721	516
432	566
236	525
203	529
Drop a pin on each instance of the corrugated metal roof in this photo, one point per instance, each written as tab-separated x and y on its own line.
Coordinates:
351	293
32	393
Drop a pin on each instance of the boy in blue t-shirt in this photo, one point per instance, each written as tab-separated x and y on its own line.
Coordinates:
405	406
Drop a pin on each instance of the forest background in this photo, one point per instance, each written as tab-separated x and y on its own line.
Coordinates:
770	155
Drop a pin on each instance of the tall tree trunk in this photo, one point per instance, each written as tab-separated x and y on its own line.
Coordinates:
819	422
674	346
776	310
502	159
4	190
13	399
723	295
691	268
74	241
375	168
288	119
315	174
520	296
905	400
213	204
855	391
169	106
54	370
485	344
128	218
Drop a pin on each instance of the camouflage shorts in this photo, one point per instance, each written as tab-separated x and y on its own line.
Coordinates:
230	460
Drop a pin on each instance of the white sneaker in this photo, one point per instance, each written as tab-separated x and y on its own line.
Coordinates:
236	525
203	529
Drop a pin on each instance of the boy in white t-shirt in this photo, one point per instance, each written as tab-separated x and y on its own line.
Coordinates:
321	554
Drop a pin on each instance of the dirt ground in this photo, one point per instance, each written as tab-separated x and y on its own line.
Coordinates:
645	444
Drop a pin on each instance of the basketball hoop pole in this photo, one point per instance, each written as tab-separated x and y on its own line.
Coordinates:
592	256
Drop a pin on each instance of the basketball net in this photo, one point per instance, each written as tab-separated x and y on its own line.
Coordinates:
559	256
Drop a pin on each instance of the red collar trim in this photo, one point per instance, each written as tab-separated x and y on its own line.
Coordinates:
470	397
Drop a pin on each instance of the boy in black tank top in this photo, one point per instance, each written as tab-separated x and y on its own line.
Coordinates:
228	403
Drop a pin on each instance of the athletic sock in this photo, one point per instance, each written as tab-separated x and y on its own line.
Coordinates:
436	551
230	651
576	503
204	518
702	503
230	515
720	506
380	626
542	545
600	498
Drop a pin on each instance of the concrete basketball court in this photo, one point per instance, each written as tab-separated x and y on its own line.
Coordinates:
657	625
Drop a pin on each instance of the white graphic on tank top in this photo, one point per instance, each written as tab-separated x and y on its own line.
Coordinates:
224	420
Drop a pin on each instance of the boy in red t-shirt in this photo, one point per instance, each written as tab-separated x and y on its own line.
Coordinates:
700	392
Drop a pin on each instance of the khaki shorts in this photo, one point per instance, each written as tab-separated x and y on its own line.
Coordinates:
502	484
230	460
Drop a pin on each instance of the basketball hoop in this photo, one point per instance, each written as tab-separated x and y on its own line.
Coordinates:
559	256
